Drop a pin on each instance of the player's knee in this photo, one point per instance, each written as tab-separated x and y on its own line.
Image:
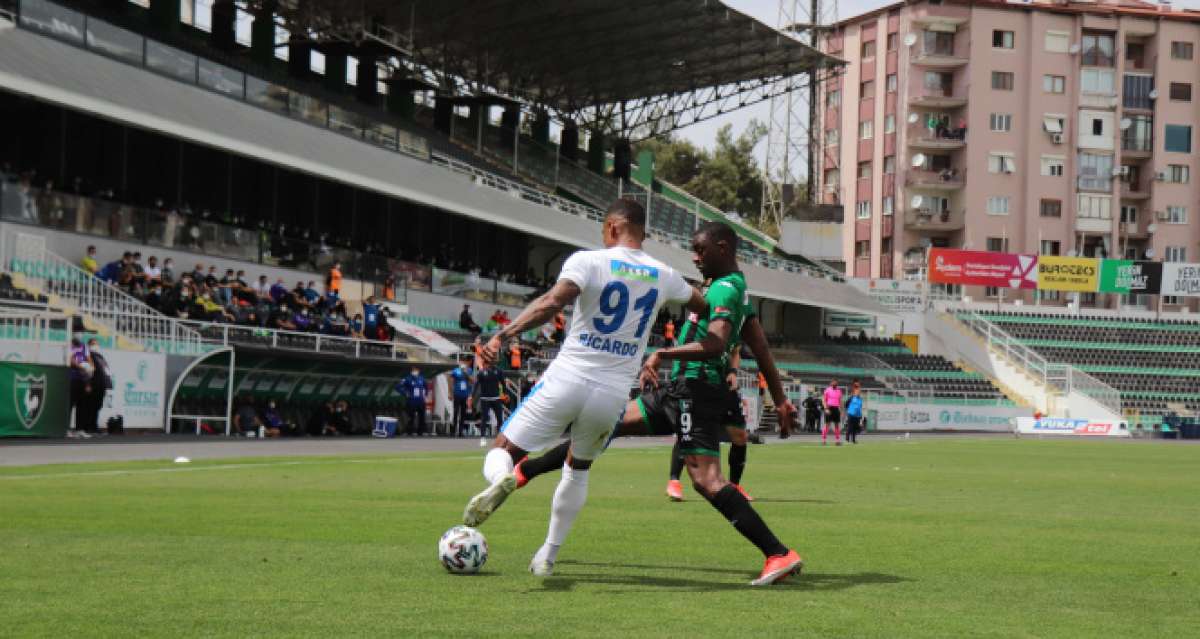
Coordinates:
737	436
708	486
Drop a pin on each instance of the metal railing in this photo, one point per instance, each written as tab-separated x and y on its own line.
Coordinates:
119	312
259	337
1060	379
34	326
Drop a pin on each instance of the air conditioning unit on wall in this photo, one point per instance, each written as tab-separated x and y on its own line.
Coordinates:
1056	138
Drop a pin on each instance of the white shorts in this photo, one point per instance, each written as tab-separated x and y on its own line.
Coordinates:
553	404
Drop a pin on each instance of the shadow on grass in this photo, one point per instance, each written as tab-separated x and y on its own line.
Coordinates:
812	582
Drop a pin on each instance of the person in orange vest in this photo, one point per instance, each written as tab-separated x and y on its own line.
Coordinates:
514	355
333	281
389	288
669	332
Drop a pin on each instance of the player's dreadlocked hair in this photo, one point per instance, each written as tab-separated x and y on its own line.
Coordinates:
719	232
628	210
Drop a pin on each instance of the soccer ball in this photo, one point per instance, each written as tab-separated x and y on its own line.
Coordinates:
463	550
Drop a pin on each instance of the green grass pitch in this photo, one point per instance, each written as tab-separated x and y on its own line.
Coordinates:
917	538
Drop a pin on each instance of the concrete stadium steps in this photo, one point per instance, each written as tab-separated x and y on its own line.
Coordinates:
89	324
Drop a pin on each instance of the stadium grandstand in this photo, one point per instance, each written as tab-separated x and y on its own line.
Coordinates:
443	169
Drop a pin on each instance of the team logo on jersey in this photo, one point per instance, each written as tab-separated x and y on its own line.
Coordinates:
636	272
29	393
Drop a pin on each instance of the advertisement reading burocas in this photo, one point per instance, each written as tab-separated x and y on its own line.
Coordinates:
1068	273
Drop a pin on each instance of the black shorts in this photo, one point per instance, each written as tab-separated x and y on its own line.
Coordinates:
692	409
833	415
854	423
735	416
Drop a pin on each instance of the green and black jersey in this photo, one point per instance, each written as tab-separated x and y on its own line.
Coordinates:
727	300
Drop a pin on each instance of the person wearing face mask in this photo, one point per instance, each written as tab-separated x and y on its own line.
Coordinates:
273	421
414	389
461	378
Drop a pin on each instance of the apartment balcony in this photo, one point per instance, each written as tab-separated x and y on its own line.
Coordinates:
924	219
938	99
1134	231
944	180
1137	147
1135	191
938	58
923	138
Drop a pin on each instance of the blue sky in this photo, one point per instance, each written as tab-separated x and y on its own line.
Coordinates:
705	133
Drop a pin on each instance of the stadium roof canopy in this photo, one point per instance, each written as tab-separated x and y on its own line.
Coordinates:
620	66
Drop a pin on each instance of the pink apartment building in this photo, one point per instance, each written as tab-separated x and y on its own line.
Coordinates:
1027	127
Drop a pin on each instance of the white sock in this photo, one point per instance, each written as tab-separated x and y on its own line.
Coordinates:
496	465
548	553
568	501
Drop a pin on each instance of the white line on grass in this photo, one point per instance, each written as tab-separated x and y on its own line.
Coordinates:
185	469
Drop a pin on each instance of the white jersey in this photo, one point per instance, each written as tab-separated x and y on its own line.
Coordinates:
621	291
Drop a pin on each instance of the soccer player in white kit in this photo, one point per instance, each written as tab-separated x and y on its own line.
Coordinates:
617	292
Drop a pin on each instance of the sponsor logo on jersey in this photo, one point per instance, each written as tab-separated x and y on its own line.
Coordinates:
722	310
636	272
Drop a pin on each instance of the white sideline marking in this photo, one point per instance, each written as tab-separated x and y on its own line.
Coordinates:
188	469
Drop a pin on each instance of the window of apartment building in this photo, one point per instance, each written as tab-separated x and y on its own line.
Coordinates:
1181	91
1176	254
1097	50
1057	41
889	205
1135	53
1001	163
1002	80
1052	165
868	49
1050	247
889	123
892	40
1181	50
938	43
1050	208
864	170
833	98
1129	214
1135	93
1098	81
1097	207
1097	126
937	82
863	209
862	249
889	164
1054	83
997	244
1138	136
891	83
997	205
1095	172
866	90
1002	39
1000	121
1178	138
1178	173
832	137
1176	215
866	130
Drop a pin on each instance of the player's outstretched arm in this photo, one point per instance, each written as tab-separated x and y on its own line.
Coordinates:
712	345
539	312
756	340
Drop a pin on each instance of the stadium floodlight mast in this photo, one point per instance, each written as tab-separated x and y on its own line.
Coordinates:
794	124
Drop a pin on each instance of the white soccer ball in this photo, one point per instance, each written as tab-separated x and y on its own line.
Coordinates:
463	550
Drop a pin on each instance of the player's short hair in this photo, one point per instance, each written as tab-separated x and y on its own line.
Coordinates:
628	210
719	231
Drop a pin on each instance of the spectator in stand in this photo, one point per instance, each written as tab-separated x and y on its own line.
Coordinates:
461	379
263	289
154	296
89	262
198	274
206	309
333	281
311	296
414	390
281	319
227	286
490	383
356	326
371	318
153	272
139	271
246	419
111	272
278	292
466	322
514	355
275	425
168	272
669	332
302	321
389	288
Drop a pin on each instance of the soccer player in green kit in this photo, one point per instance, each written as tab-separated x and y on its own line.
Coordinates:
693	403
